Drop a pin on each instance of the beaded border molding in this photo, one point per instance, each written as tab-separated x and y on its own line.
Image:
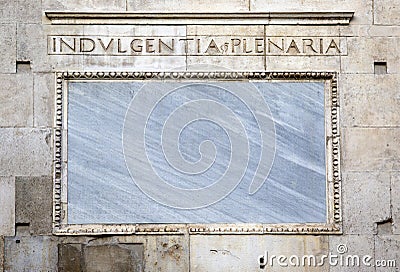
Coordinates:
333	224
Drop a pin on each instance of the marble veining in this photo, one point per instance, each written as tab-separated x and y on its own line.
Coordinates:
101	190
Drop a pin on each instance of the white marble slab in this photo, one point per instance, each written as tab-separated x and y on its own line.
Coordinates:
101	189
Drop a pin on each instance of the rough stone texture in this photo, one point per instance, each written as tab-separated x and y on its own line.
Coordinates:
7	12
17	100
32	46
30	253
366	197
241	253
33	147
118	258
364	51
363	9
29	11
43	97
70	258
369	113
374	93
8	45
1	253
387	247
360	245
175	5
387	12
7	209
395	201
34	203
369	149
162	253
90	5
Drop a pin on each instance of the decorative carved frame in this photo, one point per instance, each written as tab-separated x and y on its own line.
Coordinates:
333	224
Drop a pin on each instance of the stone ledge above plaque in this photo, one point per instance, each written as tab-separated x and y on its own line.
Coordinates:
207	18
196	152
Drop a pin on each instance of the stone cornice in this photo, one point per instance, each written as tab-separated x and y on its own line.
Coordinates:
206	18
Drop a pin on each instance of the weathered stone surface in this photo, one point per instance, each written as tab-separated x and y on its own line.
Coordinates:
387	252
347	246
32	45
171	254
369	149
251	63
370	100
395	201
29	11
366	201
223	30
16	100
70	258
7	209
25	152
8	46
175	5
97	5
30	253
363	9
43	97
309	63
8	11
34	203
242	253
364	51
118	258
387	12
1	253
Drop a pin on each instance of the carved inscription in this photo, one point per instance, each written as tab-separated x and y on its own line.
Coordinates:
195	45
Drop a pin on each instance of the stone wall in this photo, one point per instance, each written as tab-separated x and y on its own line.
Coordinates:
369	80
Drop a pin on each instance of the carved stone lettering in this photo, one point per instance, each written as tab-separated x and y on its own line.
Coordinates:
196	46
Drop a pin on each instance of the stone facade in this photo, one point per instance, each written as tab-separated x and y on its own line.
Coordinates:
369	80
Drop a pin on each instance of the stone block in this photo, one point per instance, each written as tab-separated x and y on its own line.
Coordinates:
250	63
34	203
25	152
198	6
366	201
118	258
30	253
7	208
370	149
309	63
395	201
1	253
349	246
387	12
369	100
243	253
33	45
8	11
387	252
70	258
16	96
299	31
363	9
225	30
43	97
168	254
8	47
29	11
134	63
92	5
364	51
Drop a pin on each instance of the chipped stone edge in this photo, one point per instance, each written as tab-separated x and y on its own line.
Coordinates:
333	176
208	18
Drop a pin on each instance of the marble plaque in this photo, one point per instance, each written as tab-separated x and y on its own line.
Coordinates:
201	152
